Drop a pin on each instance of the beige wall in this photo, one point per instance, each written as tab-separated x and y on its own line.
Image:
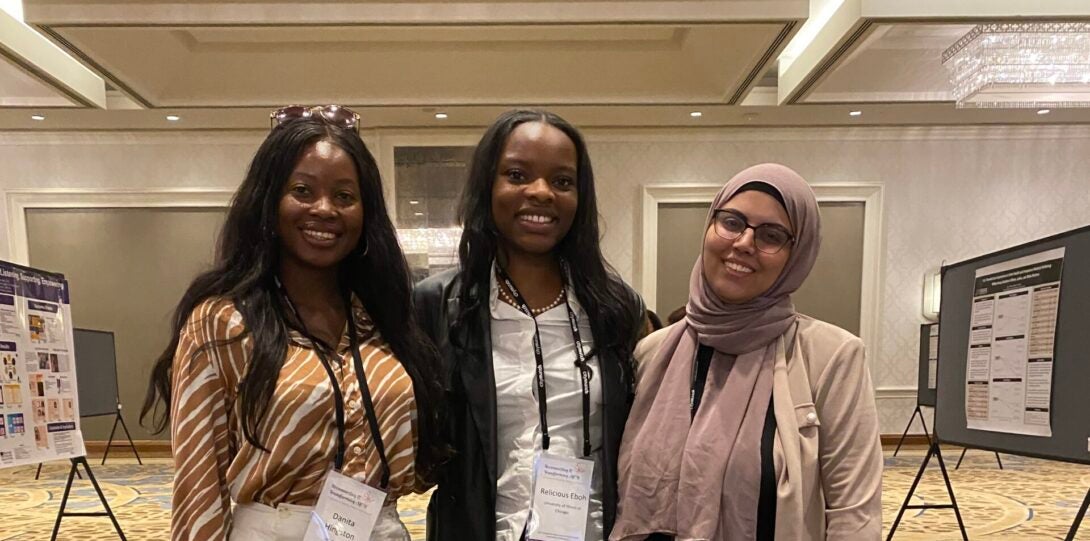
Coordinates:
126	268
948	193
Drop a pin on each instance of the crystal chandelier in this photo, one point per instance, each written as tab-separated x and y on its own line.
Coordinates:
1028	65
434	241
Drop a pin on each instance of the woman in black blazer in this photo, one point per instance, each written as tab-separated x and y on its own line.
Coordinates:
530	265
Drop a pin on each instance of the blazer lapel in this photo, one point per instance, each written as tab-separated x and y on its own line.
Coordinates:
479	382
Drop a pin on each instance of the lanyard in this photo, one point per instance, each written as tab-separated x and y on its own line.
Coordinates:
580	361
338	398
701	366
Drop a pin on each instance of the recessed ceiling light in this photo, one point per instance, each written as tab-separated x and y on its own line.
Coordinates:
173	118
856	113
1044	111
414	202
696	114
440	116
37	117
418	213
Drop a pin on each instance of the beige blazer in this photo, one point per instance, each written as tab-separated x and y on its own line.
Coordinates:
828	456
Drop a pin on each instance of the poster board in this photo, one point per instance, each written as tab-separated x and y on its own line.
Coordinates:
96	371
39	399
1068	418
927	382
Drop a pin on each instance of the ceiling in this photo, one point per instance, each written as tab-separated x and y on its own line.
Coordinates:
127	64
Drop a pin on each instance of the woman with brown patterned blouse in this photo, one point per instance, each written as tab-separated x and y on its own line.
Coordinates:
308	304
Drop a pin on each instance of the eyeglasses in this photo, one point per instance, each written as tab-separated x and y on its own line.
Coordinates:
769	238
336	115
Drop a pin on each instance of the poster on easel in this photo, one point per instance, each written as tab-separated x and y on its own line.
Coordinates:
1012	342
39	405
932	356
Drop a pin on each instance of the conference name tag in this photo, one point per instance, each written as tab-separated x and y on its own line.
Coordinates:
346	510
561	500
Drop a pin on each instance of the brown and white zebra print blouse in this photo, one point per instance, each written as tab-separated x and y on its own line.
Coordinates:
215	465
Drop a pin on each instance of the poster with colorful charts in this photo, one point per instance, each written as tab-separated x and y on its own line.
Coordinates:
1012	337
39	408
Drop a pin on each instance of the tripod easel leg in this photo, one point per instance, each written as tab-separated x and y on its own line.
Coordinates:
925	432
966	450
932	451
950	490
1078	518
64	500
962	457
76	462
110	442
911	491
915	412
129	436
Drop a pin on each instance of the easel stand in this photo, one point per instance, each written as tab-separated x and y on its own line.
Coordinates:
966	449
933	451
61	513
120	419
927	434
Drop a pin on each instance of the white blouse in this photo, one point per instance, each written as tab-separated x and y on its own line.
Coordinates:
518	429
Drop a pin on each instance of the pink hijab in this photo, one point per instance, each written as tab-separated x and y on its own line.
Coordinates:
701	480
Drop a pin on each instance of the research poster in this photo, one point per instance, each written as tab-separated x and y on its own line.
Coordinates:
1012	337
39	409
932	355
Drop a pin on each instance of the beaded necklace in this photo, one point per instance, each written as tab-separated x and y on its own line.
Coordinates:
506	297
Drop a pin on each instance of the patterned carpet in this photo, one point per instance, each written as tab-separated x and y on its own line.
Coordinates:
1029	500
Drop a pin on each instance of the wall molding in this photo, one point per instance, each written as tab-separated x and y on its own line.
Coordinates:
870	194
121	449
131	137
17	202
895	392
470	135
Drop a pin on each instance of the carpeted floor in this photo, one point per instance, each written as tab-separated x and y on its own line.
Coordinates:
1029	500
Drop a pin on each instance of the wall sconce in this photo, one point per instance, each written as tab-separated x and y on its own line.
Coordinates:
932	294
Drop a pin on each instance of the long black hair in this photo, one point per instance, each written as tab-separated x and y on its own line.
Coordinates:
614	310
247	261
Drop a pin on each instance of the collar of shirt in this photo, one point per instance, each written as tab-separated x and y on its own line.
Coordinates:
365	329
502	310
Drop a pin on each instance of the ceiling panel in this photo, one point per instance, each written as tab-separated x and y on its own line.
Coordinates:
21	89
899	62
409	65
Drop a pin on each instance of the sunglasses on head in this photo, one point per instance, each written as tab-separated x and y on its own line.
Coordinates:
336	115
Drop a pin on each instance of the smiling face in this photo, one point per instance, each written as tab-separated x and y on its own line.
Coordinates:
535	194
735	269
320	217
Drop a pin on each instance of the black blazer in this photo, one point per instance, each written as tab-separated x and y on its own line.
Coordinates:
463	507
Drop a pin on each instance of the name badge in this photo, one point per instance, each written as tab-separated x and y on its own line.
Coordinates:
346	510
561	500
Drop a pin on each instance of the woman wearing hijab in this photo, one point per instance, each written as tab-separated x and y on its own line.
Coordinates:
752	421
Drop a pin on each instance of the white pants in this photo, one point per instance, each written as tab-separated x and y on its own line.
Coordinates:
287	522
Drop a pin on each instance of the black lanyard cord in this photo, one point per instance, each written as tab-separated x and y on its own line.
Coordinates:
338	410
368	404
581	362
338	398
